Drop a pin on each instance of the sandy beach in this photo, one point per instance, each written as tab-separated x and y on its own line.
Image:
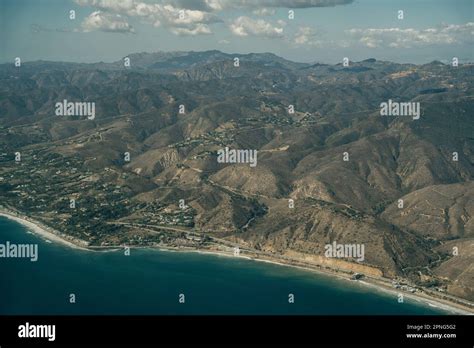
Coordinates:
39	229
421	298
49	234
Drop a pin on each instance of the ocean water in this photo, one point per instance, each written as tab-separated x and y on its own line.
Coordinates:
151	281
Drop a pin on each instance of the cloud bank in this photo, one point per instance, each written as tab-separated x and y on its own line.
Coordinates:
410	37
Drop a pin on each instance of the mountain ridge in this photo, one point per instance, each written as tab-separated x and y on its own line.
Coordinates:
173	156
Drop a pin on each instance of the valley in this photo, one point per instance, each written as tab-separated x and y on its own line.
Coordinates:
344	166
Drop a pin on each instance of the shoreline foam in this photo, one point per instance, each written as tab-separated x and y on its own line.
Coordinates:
40	230
37	228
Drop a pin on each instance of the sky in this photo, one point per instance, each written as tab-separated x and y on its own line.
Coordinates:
320	30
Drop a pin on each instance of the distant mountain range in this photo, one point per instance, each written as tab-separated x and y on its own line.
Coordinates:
424	165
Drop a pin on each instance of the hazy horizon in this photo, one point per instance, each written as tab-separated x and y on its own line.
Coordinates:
119	59
322	31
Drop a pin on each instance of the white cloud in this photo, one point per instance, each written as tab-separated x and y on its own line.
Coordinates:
260	6
193	17
264	11
116	6
198	29
180	21
256	4
409	37
245	26
306	36
106	22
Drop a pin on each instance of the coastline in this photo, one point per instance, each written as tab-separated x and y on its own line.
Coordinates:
50	234
43	231
367	281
